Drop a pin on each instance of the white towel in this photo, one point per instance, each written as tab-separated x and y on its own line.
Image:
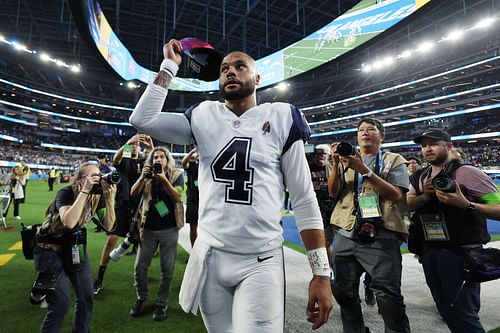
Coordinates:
194	278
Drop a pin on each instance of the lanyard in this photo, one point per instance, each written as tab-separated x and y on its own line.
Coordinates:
359	177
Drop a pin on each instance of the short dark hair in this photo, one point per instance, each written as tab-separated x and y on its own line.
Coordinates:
416	159
377	123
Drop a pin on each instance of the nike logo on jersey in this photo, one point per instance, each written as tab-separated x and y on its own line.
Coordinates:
259	259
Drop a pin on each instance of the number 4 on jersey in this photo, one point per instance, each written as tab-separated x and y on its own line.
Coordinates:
232	167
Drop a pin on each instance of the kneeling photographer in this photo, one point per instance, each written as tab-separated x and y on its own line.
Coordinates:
369	186
160	216
61	250
451	202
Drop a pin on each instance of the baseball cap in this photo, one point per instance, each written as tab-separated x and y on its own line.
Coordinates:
435	134
322	149
203	62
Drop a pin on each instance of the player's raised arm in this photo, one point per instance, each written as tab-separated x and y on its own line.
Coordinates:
147	116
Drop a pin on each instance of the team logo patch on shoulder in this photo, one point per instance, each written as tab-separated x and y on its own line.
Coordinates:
266	128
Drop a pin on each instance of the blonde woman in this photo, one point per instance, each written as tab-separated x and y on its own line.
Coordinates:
62	239
16	191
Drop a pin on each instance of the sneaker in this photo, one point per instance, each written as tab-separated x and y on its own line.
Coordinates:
136	310
160	312
97	287
17	217
369	297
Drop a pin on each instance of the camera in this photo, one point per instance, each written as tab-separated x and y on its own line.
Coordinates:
368	230
444	183
157	168
345	149
45	283
112	177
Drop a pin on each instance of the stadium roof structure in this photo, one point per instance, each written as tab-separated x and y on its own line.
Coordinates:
259	27
143	26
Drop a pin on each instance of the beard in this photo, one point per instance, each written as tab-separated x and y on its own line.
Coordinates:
246	89
438	158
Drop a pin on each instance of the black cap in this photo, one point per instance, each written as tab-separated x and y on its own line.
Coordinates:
435	134
203	61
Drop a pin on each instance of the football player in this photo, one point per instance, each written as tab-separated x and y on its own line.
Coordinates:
247	153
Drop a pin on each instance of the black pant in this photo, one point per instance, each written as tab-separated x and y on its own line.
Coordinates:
16	205
444	274
51	183
382	260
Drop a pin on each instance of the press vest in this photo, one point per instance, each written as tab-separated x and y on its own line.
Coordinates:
463	226
344	214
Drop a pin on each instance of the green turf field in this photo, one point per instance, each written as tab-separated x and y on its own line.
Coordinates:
110	309
309	53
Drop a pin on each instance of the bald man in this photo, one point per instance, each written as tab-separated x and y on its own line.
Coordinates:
247	154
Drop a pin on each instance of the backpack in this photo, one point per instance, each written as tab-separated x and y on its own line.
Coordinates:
28	237
482	264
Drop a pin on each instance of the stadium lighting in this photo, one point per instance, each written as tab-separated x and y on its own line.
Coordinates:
484	23
75	68
405	54
388	61
378	64
455	35
425	47
19	47
132	85
2	39
60	63
366	68
282	86
45	57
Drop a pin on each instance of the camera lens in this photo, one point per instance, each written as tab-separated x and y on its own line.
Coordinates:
111	178
345	149
367	232
37	298
157	168
444	183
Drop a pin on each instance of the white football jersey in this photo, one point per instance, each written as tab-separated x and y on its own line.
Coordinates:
243	167
240	178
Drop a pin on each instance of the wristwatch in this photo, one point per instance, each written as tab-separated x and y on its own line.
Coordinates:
471	207
368	175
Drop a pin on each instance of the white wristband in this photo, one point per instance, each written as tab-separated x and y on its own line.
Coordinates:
170	67
318	259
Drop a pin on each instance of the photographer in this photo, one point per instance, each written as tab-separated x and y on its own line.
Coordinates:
61	250
369	186
320	170
159	185
190	164
128	163
451	202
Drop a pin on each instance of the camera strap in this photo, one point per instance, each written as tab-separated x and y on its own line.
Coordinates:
367	206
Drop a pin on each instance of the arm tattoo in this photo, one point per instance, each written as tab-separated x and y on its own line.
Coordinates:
163	79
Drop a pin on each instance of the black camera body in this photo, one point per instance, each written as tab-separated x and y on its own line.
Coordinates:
444	183
112	177
155	169
345	149
367	229
45	283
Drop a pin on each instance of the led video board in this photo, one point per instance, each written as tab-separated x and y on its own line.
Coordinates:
360	24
